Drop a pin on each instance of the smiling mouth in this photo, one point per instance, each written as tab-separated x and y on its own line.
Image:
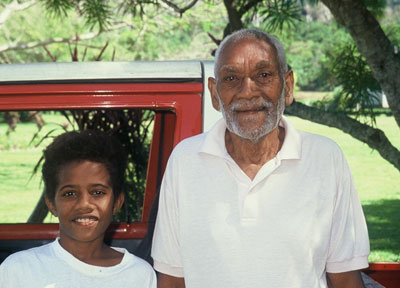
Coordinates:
251	110
86	221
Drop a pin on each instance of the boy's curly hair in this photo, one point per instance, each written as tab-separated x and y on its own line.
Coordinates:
88	145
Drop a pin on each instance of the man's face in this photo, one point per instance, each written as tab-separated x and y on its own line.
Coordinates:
249	90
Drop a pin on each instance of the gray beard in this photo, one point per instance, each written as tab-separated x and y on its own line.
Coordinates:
254	135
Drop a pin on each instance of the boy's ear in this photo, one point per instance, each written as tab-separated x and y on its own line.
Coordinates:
51	206
118	203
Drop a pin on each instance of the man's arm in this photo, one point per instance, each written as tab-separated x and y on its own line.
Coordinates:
168	281
351	279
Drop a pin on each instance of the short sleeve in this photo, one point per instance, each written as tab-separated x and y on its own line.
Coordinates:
3	276
10	271
166	246
349	243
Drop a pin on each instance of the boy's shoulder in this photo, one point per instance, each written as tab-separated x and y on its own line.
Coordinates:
26	258
133	260
133	269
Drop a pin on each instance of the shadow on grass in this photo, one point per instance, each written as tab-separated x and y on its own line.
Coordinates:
383	220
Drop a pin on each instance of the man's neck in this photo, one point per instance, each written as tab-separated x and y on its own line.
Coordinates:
251	156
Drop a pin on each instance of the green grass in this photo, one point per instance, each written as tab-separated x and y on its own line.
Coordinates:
15	171
19	155
377	181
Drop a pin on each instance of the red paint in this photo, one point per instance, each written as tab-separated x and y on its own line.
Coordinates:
50	231
385	273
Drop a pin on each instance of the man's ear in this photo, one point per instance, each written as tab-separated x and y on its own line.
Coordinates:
213	92
50	205
289	80
118	203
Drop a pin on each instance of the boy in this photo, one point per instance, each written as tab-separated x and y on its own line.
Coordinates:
83	174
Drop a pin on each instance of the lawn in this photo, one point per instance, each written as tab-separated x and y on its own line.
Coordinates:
18	158
377	181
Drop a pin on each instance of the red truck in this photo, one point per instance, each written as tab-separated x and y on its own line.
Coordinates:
177	94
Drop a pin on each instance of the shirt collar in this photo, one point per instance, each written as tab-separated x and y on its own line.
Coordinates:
214	141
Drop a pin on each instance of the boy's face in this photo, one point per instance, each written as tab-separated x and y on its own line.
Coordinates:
84	202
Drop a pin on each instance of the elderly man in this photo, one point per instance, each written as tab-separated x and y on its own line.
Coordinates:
254	202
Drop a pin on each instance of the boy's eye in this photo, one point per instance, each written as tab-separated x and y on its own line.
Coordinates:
98	192
68	193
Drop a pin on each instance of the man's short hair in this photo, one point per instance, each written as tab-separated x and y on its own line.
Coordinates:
255	34
88	145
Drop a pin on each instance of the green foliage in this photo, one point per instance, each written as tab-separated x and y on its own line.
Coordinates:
42	27
59	7
392	31
358	90
277	13
376	7
98	12
135	7
306	51
94	11
157	35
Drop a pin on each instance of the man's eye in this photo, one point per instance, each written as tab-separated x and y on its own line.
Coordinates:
263	75
230	78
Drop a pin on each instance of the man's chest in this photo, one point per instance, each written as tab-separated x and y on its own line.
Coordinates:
283	220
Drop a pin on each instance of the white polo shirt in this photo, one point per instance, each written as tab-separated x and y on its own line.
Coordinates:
298	219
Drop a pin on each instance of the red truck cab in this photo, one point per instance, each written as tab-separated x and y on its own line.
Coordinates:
172	90
177	94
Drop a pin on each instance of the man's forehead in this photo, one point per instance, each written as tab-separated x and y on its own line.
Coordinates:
233	67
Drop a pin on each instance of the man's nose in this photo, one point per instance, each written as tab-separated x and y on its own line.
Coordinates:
247	87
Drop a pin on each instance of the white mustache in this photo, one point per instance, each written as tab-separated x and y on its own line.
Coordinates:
244	105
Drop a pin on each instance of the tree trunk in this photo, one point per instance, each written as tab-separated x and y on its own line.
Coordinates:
234	16
373	44
40	212
374	138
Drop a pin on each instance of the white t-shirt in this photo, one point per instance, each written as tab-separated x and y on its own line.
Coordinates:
299	218
51	266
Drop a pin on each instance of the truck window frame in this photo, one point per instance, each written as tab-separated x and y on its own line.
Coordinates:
174	105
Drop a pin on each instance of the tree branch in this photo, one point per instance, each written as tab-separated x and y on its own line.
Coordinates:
234	16
248	6
34	44
177	8
14	7
373	137
53	58
235	13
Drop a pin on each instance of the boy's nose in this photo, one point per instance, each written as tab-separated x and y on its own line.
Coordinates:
85	201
